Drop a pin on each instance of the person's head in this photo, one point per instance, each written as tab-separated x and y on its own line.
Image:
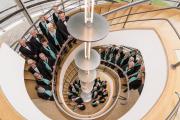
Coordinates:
61	15
104	90
131	59
22	42
74	98
55	8
44	42
105	82
51	27
107	49
114	46
37	75
118	54
120	49
142	68
33	33
127	54
140	61
43	56
100	50
42	18
130	64
95	88
31	63
40	89
139	75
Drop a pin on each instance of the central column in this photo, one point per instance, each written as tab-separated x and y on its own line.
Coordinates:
87	27
87	71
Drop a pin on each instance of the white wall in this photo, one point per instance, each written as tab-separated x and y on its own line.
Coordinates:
13	86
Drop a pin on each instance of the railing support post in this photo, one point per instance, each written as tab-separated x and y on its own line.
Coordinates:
62	1
175	65
26	13
127	16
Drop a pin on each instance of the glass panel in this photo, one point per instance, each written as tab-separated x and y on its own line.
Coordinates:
178	54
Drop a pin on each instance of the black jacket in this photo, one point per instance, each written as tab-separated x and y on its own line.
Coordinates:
39	82
62	28
55	18
44	95
43	50
43	29
32	53
50	62
35	44
59	39
45	73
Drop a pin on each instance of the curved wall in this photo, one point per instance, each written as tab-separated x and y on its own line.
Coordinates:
149	44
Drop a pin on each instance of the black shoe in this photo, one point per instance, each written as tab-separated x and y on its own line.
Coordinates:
125	90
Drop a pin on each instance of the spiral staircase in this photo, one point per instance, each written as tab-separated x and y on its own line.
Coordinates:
144	16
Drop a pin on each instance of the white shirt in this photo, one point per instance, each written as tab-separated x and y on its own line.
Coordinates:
65	23
28	48
36	69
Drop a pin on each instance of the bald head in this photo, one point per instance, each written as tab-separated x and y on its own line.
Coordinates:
33	33
31	63
22	42
51	27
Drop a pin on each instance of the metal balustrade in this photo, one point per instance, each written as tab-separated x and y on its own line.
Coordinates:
59	103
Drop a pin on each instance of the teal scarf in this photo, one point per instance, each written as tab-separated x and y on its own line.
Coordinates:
132	79
47	66
46	81
55	39
51	52
48	92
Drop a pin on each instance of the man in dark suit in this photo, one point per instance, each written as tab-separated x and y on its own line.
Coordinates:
47	63
44	92
27	50
113	50
55	14
78	100
125	60
61	24
40	80
38	68
55	37
35	40
121	53
43	25
48	49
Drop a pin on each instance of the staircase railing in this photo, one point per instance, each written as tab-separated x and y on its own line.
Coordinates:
35	25
63	108
59	104
125	75
174	112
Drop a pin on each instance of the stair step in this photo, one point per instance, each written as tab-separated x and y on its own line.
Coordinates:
30	86
28	76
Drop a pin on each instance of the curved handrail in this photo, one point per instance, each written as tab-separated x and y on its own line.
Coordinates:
34	24
59	104
122	72
176	108
173	112
175	30
125	7
145	20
